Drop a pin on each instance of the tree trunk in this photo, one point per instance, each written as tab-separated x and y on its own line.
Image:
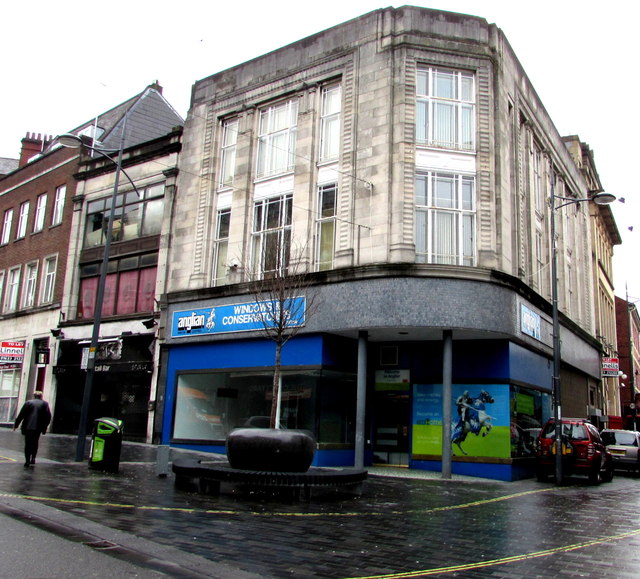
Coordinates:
276	388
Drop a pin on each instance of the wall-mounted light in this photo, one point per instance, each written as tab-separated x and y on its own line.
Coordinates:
149	323
57	333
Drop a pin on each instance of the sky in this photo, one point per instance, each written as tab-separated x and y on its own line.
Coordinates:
66	61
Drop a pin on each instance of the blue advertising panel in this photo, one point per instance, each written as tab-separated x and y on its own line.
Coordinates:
480	424
244	317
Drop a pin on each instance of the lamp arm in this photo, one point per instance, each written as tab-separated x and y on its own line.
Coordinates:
119	165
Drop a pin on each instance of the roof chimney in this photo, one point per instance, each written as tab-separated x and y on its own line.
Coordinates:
33	144
156	86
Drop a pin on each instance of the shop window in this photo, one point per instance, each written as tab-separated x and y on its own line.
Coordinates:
530	410
9	387
210	404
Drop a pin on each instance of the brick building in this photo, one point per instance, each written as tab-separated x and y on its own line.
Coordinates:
39	209
403	162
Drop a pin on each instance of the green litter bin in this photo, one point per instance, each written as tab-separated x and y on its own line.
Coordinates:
106	443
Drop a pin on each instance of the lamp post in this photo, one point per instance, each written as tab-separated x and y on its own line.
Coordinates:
74	141
598	199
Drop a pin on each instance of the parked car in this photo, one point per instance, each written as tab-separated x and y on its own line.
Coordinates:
583	451
623	446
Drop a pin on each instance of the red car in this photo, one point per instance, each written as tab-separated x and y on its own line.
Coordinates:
583	452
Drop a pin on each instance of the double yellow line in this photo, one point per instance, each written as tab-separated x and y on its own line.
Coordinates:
504	560
403	575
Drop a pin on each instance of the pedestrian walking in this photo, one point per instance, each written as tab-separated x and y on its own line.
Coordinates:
34	416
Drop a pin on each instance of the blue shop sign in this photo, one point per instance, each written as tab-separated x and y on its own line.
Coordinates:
250	316
530	322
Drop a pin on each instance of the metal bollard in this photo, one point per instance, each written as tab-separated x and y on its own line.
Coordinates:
162	461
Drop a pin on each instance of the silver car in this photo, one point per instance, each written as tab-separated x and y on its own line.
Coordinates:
623	446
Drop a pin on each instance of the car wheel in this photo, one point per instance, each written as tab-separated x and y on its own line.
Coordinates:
595	476
607	476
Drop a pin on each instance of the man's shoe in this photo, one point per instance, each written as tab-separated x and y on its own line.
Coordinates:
26	465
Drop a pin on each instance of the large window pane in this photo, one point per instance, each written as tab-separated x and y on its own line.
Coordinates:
445	116
109	301
444	194
147	290
136	214
88	290
153	212
211	404
127	292
276	143
444	124
444	238
444	85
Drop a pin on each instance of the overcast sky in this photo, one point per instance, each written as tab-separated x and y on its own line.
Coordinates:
64	62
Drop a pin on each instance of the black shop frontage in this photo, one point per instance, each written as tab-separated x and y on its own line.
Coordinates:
121	385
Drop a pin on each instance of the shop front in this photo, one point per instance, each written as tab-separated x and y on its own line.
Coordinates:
378	363
213	388
121	386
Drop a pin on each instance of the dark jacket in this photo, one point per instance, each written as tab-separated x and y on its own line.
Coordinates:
34	416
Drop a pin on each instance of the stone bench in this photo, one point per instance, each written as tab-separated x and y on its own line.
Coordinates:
212	478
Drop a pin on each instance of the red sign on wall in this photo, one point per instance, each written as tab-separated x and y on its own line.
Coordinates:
12	352
610	366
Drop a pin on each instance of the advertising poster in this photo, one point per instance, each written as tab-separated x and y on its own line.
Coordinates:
480	420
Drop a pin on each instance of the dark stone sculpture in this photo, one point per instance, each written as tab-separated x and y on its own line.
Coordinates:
270	449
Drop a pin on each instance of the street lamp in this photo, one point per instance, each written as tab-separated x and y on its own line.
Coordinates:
74	141
598	199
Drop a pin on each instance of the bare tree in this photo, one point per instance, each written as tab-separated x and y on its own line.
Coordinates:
287	301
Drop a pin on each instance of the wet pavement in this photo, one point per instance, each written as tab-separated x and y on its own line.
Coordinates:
398	528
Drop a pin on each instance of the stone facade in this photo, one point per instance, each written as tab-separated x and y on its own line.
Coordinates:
443	166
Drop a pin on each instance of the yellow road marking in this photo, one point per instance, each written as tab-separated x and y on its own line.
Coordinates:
403	575
272	514
504	560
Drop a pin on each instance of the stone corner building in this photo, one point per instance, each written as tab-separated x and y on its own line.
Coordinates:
403	161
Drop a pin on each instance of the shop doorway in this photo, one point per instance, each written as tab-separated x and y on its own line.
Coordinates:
392	409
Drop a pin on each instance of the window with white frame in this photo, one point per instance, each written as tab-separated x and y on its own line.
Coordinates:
13	286
445	108
221	266
58	205
22	220
330	123
271	237
537	170
9	388
539	257
48	279
277	139
228	152
41	209
29	285
445	218
6	227
326	225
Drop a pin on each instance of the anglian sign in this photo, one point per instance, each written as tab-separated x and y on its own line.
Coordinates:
236	317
